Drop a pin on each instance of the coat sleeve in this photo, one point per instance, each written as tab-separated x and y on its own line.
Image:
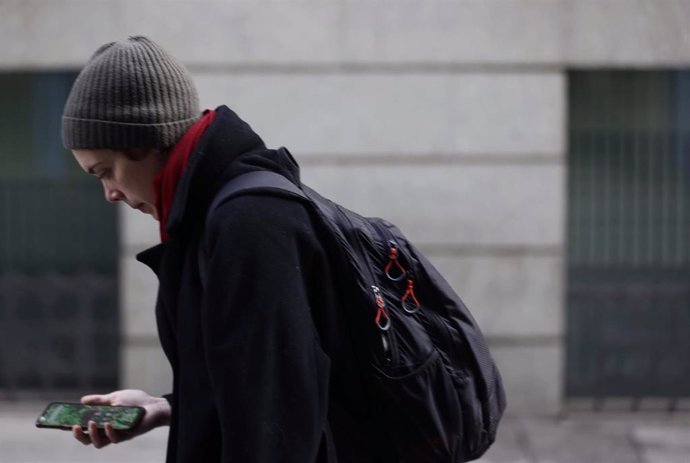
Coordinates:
268	372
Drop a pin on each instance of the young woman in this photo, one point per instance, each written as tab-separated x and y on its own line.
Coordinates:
257	344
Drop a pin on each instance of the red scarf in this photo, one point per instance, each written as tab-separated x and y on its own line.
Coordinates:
166	181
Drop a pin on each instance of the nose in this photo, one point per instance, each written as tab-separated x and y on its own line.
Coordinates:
113	195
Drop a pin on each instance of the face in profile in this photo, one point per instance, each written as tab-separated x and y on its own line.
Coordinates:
125	177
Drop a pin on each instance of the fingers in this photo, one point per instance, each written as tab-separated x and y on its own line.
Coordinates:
80	435
97	399
98	438
112	434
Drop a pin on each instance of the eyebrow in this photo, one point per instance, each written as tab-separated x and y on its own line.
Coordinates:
92	170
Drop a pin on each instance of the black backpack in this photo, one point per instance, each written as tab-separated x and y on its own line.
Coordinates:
438	394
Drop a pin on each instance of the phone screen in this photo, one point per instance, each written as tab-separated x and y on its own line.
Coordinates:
66	415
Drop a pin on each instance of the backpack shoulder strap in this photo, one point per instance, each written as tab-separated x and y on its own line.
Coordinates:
257	180
262	181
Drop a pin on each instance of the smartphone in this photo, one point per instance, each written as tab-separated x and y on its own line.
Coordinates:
64	415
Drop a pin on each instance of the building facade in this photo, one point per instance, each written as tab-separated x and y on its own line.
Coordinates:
449	118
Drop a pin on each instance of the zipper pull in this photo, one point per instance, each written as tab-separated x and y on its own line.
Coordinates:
393	259
407	305
381	310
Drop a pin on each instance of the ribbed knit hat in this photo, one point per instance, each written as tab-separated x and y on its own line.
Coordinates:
131	94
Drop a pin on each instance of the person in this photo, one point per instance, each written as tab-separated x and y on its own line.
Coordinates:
263	368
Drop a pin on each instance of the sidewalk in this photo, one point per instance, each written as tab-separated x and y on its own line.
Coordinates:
593	438
580	438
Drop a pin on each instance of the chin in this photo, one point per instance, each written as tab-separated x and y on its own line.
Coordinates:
152	212
148	210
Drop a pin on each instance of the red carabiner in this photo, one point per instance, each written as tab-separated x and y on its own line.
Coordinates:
393	259
381	311
410	294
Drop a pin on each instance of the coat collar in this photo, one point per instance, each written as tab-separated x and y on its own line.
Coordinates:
152	257
228	148
226	139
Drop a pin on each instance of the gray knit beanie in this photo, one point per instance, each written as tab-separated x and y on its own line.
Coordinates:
131	94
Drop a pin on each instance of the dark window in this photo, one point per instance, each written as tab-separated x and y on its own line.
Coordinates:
628	247
58	249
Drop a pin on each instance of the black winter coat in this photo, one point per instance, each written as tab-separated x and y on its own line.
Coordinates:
261	361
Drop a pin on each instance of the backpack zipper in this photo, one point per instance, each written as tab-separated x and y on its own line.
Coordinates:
408	301
382	318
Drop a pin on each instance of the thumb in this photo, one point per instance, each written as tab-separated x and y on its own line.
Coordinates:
97	399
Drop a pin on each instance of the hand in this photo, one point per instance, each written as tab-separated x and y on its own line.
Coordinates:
157	414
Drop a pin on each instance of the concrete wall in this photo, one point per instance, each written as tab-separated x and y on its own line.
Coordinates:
426	34
446	117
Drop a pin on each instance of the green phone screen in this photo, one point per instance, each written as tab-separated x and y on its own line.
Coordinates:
68	414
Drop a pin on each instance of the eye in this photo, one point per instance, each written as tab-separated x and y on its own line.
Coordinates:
102	174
